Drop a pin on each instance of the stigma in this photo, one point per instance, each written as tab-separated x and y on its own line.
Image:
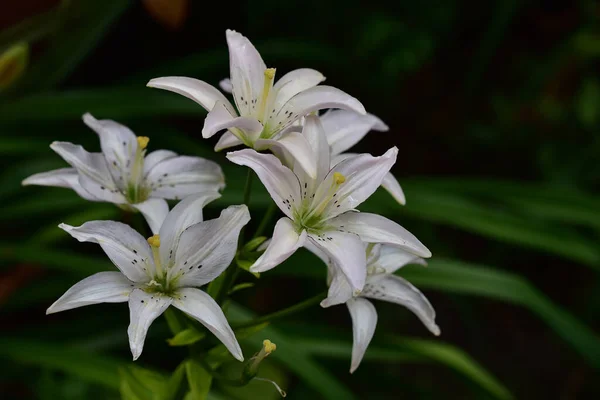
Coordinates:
143	141
154	241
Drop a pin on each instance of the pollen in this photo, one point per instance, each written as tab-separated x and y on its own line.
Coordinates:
269	346
270	73
338	178
154	241
143	141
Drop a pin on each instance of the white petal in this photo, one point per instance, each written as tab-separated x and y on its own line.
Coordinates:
295	82
226	141
315	135
144	308
119	145
186	213
155	157
364	321
200	306
219	118
94	175
392	258
314	99
154	211
103	287
247	70
296	147
347	252
284	243
346	128
339	291
207	248
126	248
280	182
373	228
390	184
201	92
177	177
63	177
397	290
226	85
363	174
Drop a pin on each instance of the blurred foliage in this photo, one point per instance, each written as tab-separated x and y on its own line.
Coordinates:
495	108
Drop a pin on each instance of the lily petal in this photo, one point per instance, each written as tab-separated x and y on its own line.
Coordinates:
155	157
207	248
347	252
94	175
284	243
247	70
126	248
227	140
398	290
314	99
373	228
295	82
63	177
339	291
297	148
314	133
220	118
363	175
200	306
103	287
119	145
178	177
144	308
186	213
194	89
346	128
280	182
154	211
226	85
364	321
392	258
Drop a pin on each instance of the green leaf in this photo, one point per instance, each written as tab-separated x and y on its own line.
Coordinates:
141	384
186	337
199	380
173	385
241	286
84	365
412	351
457	277
254	243
71	105
295	359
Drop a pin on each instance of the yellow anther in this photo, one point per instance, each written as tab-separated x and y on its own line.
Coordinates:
269	346
154	241
270	73
143	141
338	178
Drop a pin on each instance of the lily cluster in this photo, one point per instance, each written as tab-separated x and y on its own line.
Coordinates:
302	160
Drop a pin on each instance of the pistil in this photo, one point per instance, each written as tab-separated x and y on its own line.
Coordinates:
154	242
137	168
337	181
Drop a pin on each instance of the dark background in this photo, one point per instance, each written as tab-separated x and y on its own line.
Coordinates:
495	107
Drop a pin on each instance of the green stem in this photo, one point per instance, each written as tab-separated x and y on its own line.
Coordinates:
266	219
231	272
242	381
283	313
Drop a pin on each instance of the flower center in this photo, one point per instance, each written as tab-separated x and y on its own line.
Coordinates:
310	217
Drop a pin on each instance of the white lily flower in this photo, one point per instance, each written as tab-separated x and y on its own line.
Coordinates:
344	129
381	284
264	107
164	270
321	211
123	174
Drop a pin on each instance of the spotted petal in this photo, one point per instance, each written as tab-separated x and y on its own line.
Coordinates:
293	83
284	243
346	128
144	308
63	177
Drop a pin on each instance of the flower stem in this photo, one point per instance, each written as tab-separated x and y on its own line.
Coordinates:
231	272
283	313
266	219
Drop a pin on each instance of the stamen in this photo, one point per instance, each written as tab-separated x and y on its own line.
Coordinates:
338	178
154	242
268	84
143	141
